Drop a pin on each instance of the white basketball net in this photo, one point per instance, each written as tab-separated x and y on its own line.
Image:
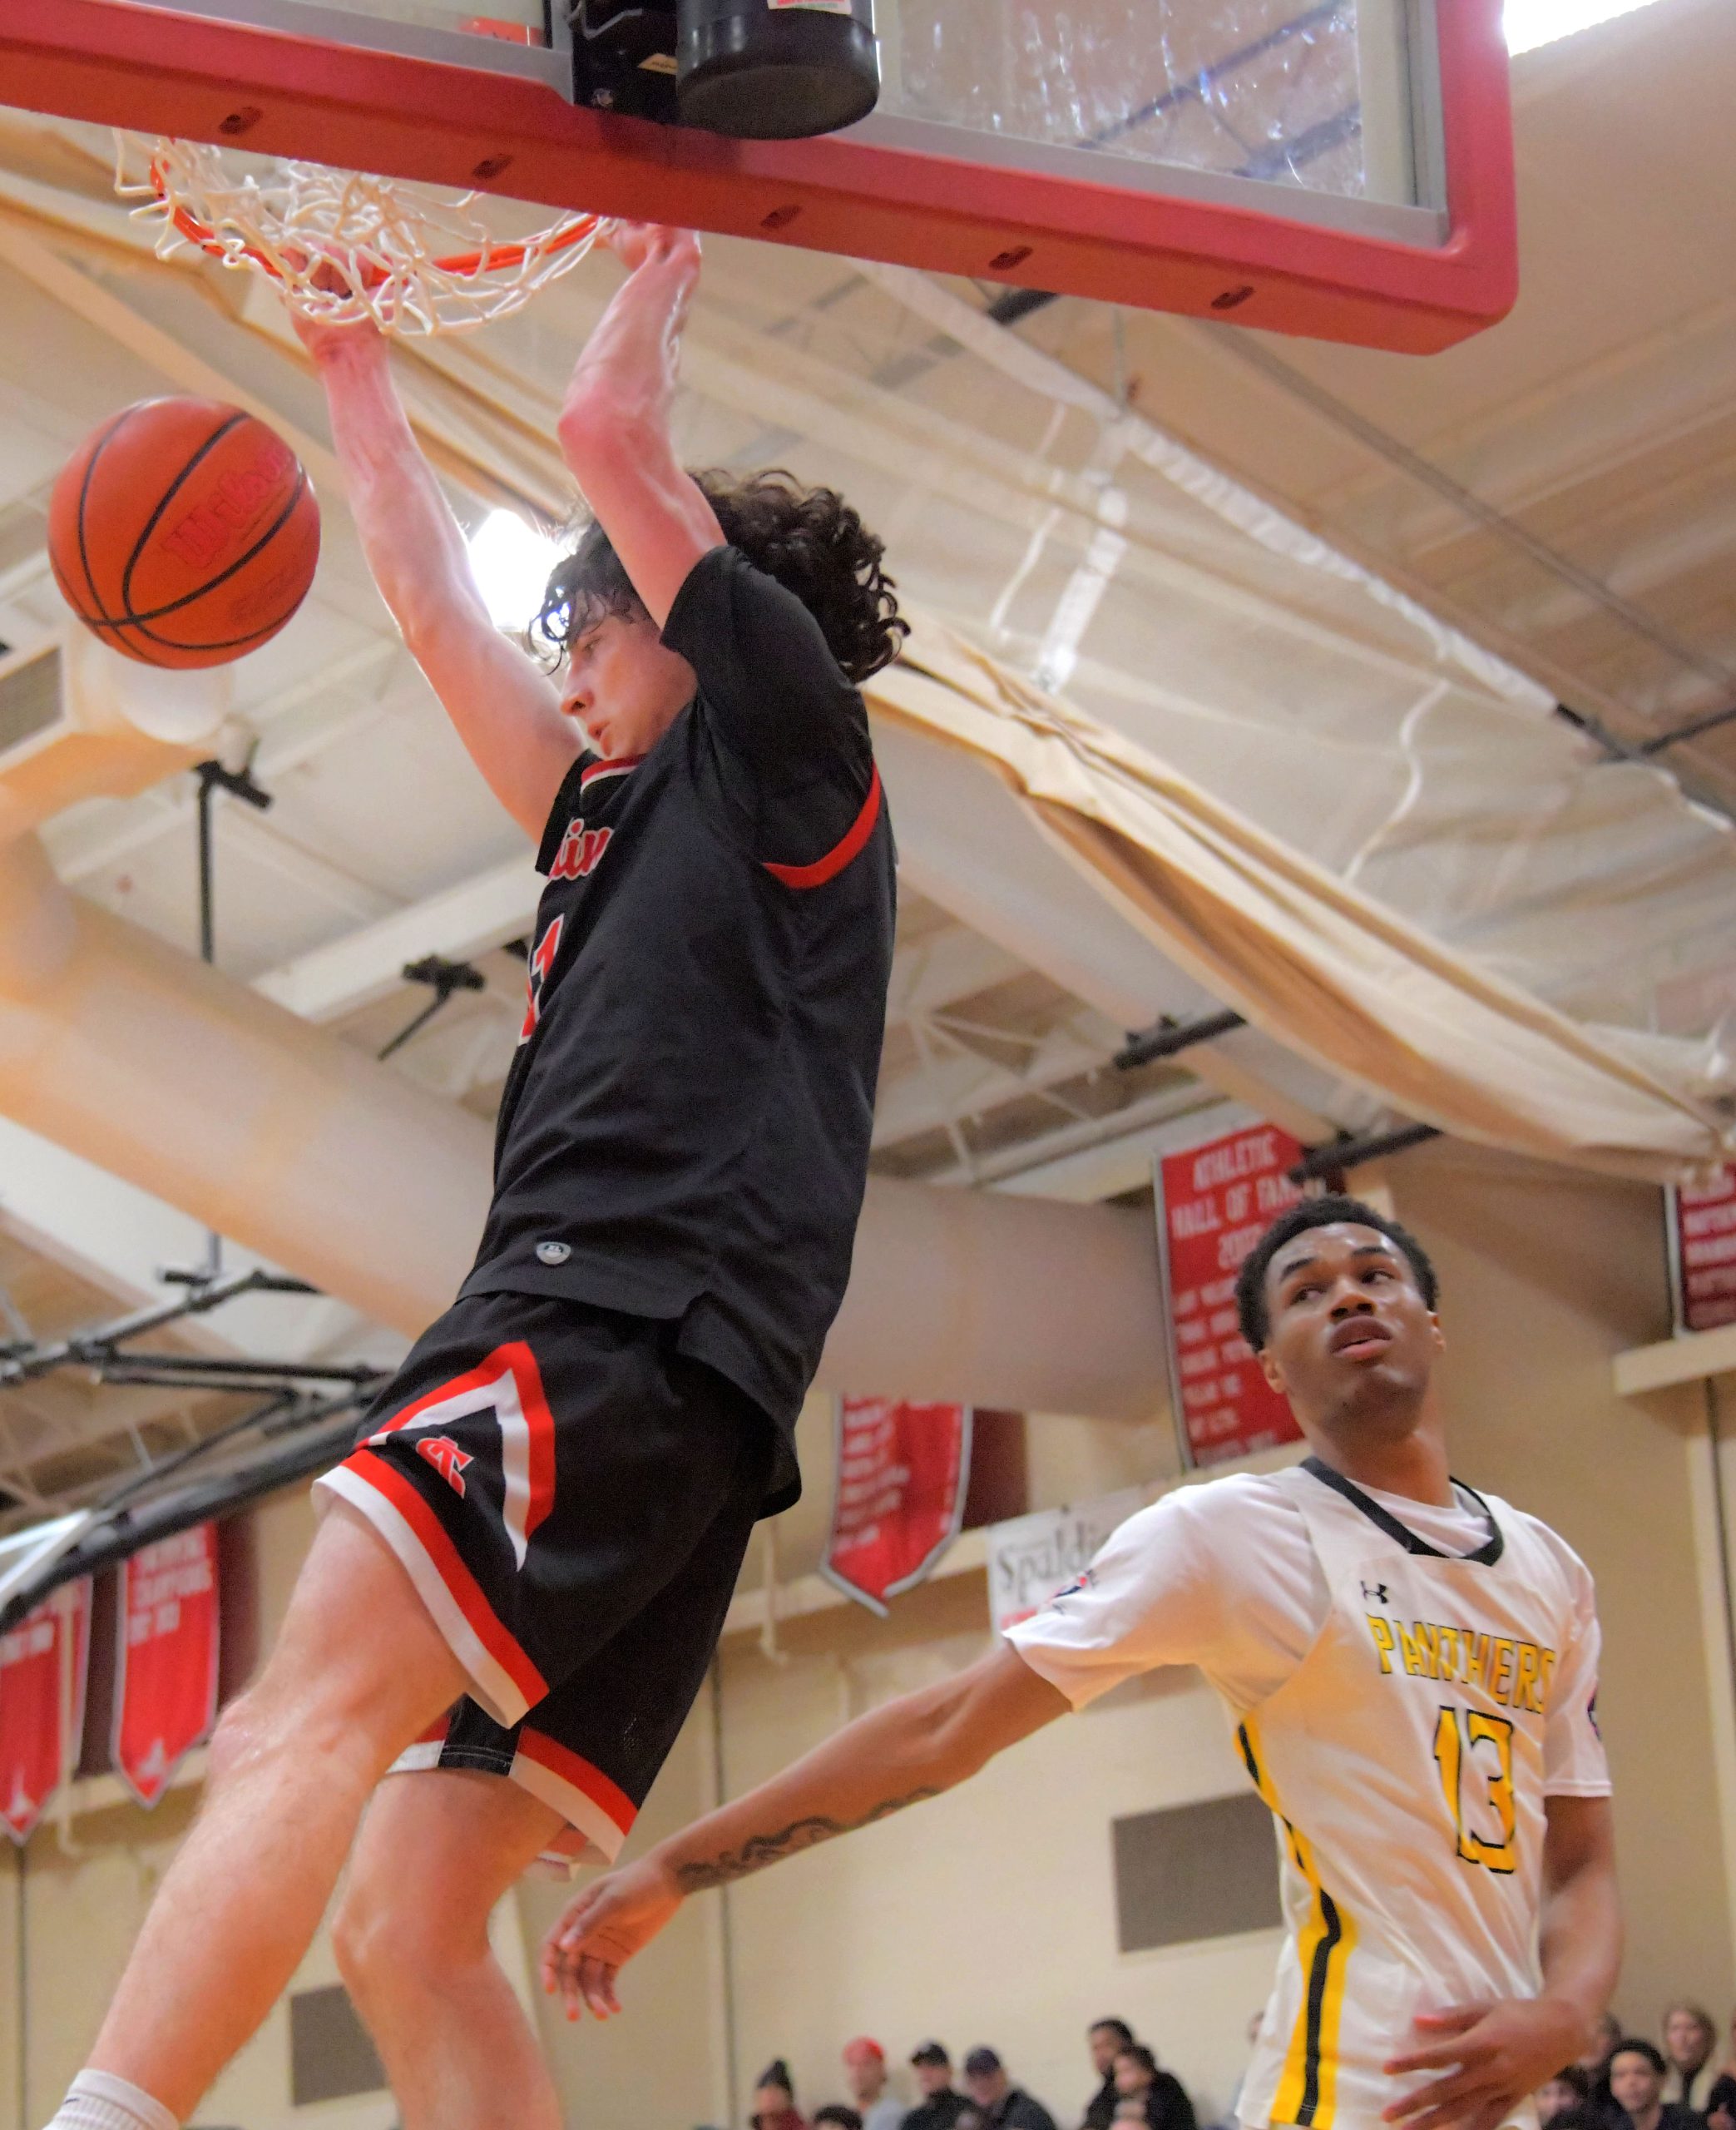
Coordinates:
342	246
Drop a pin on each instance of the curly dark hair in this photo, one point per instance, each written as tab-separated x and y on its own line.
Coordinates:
1325	1212
809	539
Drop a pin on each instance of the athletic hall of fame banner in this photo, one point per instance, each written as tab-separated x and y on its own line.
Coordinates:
165	1658
43	1664
1213	1203
1702	1235
902	1471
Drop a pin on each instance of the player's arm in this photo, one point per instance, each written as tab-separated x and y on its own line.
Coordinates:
1492	2055
615	420
911	1749
506	710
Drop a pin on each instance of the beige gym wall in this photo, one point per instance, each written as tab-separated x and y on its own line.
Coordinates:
988	1915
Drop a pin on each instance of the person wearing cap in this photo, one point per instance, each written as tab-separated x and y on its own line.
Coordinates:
1001	2104
865	2074
940	2107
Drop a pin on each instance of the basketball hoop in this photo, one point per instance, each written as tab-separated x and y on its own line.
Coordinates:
342	246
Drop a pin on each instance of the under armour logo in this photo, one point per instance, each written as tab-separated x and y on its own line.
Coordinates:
447	1459
1374	1593
554	1253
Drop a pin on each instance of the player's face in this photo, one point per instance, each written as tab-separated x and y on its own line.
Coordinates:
1106	2044
932	2078
624	687
1131	2076
1349	1329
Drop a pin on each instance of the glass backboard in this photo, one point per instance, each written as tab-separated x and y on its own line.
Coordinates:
1340	168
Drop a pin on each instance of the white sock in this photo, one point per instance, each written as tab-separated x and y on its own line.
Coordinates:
97	2100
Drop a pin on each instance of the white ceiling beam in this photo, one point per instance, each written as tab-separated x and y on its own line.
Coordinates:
120	1238
960	1087
368	964
945	968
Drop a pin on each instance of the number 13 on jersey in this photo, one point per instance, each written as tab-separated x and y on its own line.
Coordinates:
1475	1752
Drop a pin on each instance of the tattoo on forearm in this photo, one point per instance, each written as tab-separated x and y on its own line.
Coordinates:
760	1849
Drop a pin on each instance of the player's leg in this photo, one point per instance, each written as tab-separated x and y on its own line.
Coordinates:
292	1765
438	1850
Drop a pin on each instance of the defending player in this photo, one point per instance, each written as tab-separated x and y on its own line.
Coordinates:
1411	1670
545	1518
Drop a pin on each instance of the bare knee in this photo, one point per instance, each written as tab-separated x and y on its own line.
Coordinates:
393	1930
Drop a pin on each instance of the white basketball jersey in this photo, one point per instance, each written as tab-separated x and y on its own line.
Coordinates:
1403	1760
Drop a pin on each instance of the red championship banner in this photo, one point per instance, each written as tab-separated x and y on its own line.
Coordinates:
43	1662
1703	1252
902	1474
1213	1203
165	1658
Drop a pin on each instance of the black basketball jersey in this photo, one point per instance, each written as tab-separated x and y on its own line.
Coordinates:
685	1131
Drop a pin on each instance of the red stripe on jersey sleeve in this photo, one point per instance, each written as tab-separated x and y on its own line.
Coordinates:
828	868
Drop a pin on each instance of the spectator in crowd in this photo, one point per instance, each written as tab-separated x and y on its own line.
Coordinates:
865	2075
1002	2105
1165	2103
1595	2061
1690	2037
940	2107
838	2116
1721	2100
1569	2089
774	2100
1106	2038
1637	2072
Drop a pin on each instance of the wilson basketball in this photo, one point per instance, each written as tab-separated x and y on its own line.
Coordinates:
184	532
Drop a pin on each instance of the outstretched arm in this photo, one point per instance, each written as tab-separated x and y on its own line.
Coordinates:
615	420
911	1749
1491	2056
506	708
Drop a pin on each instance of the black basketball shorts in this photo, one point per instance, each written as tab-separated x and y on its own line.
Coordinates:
572	1499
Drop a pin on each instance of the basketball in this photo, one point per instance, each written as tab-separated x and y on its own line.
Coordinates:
183	533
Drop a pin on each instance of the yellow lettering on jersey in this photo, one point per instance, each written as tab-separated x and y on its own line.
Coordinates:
1418	1646
1458	1758
1513	1672
1497	1731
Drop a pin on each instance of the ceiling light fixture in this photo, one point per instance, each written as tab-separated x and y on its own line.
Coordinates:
511	562
1531	22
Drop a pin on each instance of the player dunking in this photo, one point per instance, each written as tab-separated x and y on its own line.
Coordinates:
545	1519
1410	1671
